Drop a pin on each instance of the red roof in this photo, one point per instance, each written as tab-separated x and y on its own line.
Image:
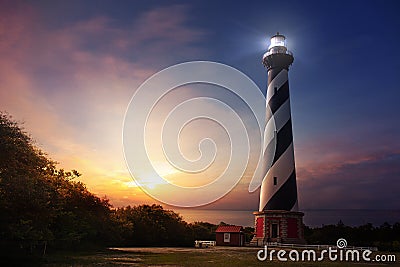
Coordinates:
229	229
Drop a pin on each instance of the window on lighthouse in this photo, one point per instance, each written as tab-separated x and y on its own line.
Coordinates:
275	180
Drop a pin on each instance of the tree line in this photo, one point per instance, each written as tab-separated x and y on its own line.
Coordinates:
385	237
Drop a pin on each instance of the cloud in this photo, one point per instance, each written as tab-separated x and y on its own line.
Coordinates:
71	84
370	182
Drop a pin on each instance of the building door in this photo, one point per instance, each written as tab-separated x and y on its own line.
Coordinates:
292	229
274	230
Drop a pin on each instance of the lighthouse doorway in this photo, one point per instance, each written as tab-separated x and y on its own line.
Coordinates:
274	230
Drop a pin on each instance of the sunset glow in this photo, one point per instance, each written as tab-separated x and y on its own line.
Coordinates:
69	74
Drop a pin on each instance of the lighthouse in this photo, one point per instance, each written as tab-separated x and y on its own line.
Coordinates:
278	218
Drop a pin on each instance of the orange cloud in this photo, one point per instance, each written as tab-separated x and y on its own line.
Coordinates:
71	85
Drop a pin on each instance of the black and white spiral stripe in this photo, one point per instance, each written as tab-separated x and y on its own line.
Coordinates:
278	188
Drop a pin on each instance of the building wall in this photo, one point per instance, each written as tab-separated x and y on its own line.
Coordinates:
290	227
235	239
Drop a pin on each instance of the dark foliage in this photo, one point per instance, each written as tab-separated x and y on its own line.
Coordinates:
203	231
147	225
385	237
42	206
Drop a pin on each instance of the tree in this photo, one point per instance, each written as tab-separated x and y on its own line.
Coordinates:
203	230
40	203
25	211
151	225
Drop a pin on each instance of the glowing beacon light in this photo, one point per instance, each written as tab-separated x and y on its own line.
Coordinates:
278	55
277	40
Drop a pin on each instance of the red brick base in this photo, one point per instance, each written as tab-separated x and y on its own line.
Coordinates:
278	226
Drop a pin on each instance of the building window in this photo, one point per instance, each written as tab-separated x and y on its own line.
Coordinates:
275	90
275	180
227	237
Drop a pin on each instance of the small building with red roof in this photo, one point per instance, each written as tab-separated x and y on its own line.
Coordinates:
229	235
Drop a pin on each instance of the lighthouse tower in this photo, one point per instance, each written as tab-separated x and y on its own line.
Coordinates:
278	219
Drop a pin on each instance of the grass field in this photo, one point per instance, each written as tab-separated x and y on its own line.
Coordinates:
218	256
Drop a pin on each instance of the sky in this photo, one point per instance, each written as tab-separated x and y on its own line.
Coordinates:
68	70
